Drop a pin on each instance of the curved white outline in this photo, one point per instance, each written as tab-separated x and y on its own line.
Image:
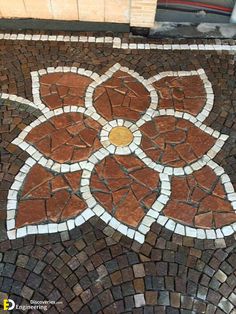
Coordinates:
18	99
108	74
204	113
154	214
36	154
94	208
201	233
35	76
196	165
14	232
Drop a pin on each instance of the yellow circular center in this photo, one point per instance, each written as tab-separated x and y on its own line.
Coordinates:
120	136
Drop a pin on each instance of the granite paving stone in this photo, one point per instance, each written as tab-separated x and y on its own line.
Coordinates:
117	173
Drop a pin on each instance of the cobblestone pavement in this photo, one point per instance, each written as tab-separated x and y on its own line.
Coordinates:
118	174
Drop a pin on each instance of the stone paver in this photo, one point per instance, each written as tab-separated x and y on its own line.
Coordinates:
117	176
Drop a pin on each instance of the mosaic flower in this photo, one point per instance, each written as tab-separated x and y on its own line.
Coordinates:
129	150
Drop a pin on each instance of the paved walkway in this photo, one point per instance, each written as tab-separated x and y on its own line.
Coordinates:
117	174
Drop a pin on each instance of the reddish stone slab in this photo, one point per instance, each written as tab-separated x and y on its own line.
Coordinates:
61	89
121	96
58	183
124	186
181	93
180	189
56	204
73	178
204	198
69	137
204	220
213	203
36	177
223	219
147	177
129	211
181	212
30	212
174	141
50	197
74	207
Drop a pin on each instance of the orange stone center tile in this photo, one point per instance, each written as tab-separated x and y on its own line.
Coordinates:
120	136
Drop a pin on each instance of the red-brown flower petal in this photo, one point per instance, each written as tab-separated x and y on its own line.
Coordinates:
174	141
126	187
121	96
199	200
60	89
47	197
182	93
69	137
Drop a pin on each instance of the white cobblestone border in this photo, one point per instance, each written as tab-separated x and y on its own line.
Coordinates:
35	76
154	214
93	207
37	155
117	43
107	75
18	99
149	218
199	233
178	171
14	232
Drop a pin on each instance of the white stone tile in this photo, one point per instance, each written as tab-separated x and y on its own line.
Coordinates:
70	224
190	232
139	237
114	223
11	234
162	220
163	199
98	210
79	220
10	224
170	225
32	230
201	234
62	227
130	233
88	213
157	206
123	229
228	230
143	229
210	234
21	232
106	217
219	234
180	229
52	228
